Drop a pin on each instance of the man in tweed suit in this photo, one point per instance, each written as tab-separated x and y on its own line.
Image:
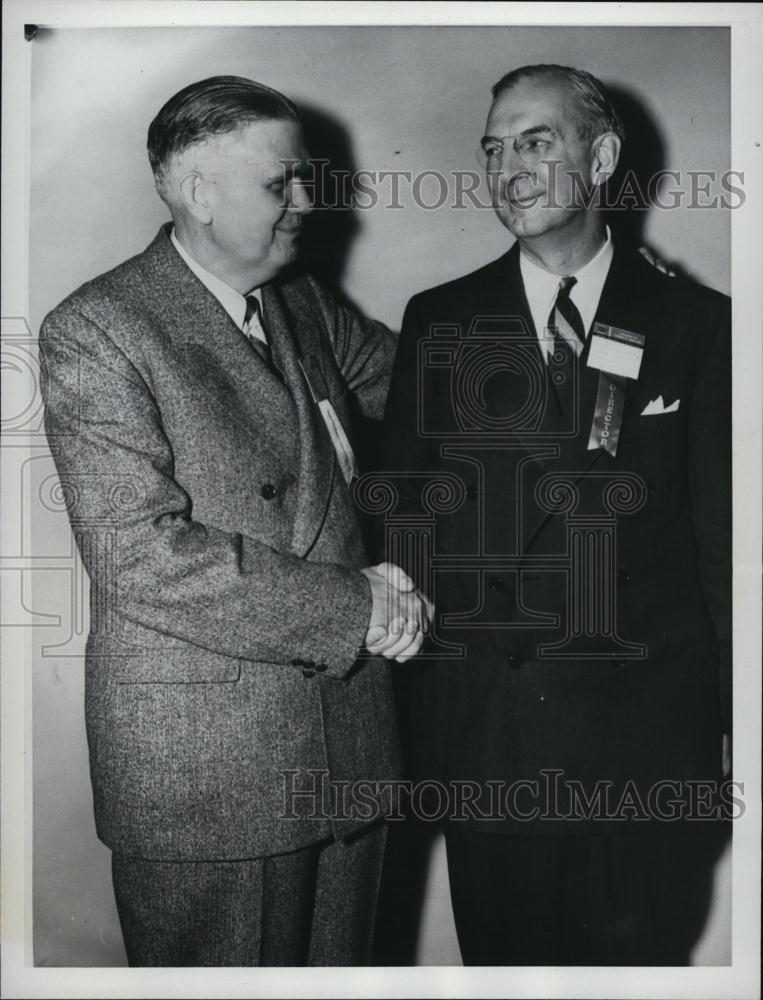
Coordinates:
197	401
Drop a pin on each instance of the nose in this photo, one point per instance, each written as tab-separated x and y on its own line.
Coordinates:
504	162
510	161
518	180
504	170
300	197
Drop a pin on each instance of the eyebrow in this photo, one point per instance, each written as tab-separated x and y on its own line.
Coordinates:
533	130
286	169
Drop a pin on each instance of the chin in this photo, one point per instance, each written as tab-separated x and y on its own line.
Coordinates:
530	224
285	253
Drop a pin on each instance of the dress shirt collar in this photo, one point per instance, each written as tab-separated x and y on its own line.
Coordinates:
541	288
233	302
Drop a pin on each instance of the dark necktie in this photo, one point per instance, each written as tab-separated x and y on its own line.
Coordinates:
565	323
254	310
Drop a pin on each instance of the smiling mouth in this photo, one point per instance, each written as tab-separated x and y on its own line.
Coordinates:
522	191
529	201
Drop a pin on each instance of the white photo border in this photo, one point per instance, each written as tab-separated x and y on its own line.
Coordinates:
740	980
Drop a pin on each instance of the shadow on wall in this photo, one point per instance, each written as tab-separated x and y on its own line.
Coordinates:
633	188
328	233
637	187
326	244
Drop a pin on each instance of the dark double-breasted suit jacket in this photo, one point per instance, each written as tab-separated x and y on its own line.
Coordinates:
222	669
589	595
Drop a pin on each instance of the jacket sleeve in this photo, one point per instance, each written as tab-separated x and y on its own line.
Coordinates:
364	350
710	483
223	591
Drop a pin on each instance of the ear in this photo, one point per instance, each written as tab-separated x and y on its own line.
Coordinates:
194	190
605	153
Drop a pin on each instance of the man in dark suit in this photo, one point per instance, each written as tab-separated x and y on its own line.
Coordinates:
198	410
574	404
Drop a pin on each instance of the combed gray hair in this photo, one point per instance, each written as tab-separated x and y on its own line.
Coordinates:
597	113
215	106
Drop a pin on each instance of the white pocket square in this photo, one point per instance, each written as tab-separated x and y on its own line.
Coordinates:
657	406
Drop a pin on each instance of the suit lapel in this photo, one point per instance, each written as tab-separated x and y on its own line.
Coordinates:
289	327
503	296
631	300
197	323
280	413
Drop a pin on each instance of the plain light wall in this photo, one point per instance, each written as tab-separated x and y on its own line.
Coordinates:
412	99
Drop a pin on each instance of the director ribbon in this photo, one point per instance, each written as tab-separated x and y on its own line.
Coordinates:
608	413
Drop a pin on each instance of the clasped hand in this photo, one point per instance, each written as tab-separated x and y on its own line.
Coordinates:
400	614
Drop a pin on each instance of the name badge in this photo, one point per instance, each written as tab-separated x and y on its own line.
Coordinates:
615	351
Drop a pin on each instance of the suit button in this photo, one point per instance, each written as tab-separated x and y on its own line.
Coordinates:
624	576
268	491
307	672
514	662
320	667
471	492
497	583
651	489
619	665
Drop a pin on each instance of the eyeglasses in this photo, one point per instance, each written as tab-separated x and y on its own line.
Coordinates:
531	149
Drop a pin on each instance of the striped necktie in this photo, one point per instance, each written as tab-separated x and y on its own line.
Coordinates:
567	327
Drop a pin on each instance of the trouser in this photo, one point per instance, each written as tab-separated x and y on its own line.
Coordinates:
615	899
314	906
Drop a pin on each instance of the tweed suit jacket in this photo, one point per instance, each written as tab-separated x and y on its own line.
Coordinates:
511	707
223	548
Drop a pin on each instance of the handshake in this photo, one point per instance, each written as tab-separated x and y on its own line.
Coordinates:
400	614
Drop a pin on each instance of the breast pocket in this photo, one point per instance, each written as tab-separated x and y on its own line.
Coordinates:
661	423
657	442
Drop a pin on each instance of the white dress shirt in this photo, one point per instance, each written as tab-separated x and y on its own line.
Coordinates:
541	288
233	302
